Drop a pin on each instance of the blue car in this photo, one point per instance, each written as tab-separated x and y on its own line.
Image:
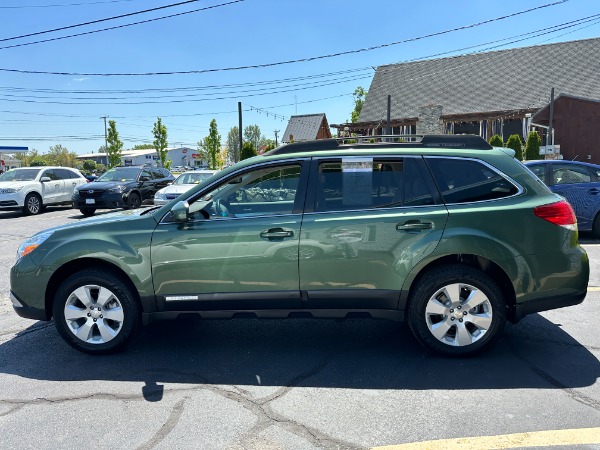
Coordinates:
579	183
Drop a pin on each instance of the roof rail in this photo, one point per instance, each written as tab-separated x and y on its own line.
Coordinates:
465	141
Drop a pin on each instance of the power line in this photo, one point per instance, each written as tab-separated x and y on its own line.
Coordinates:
98	20
122	26
292	61
64	4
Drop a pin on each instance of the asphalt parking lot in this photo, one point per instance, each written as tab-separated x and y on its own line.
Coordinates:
296	384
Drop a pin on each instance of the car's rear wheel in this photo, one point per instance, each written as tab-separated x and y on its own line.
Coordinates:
96	312
87	211
456	311
134	201
33	204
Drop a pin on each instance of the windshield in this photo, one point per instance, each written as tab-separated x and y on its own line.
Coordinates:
120	174
192	178
20	175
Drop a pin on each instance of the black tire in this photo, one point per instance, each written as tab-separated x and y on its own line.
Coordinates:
596	227
87	212
431	310
134	201
96	312
33	204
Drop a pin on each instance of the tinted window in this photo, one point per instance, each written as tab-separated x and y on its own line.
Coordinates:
157	174
65	174
50	173
464	180
570	173
538	170
359	183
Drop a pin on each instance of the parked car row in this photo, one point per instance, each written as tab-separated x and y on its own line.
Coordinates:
32	189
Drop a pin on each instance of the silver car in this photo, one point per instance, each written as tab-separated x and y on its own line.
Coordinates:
182	183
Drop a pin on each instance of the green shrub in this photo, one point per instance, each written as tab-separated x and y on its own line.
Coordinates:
496	141
532	147
514	142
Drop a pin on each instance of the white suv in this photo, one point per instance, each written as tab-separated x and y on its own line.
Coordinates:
31	189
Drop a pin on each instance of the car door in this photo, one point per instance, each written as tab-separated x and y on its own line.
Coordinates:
70	182
147	184
578	184
52	190
224	257
371	221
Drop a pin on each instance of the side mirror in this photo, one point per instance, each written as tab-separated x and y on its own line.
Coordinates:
180	211
142	179
45	179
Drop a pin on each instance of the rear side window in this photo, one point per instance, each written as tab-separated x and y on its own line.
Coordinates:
466	181
570	174
366	183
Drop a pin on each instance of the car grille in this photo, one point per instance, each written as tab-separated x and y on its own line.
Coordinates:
172	196
91	193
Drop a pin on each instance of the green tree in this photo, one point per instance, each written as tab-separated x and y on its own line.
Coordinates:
359	100
532	147
514	142
89	165
26	158
248	151
233	144
60	156
160	143
143	147
252	134
37	161
496	141
115	145
210	147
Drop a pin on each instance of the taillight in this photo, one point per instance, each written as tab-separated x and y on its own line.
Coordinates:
559	213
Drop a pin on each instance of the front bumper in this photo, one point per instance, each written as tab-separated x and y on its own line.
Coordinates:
25	311
108	200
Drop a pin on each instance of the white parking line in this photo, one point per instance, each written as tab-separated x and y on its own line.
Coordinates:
551	438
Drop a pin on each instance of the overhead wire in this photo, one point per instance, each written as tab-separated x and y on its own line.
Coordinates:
91	22
291	61
123	26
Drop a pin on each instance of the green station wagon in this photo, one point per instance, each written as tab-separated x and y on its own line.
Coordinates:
445	232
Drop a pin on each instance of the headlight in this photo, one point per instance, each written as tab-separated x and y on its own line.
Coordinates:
118	189
32	243
10	190
160	196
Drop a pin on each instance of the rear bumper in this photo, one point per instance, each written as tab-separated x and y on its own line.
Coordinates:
546	304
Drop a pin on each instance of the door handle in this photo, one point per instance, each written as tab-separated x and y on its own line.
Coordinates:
414	225
594	191
276	234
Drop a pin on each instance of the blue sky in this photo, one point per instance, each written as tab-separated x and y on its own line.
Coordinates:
39	110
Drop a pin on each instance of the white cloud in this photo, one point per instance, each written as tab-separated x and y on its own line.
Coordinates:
80	79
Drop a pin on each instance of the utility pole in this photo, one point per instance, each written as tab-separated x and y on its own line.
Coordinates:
550	136
276	132
240	126
105	140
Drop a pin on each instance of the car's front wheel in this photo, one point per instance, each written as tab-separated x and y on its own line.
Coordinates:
134	201
96	312
33	204
457	311
87	211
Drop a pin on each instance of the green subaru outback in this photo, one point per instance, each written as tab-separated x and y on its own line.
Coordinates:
445	232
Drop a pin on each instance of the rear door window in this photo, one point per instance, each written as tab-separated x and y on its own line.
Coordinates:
366	183
570	174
